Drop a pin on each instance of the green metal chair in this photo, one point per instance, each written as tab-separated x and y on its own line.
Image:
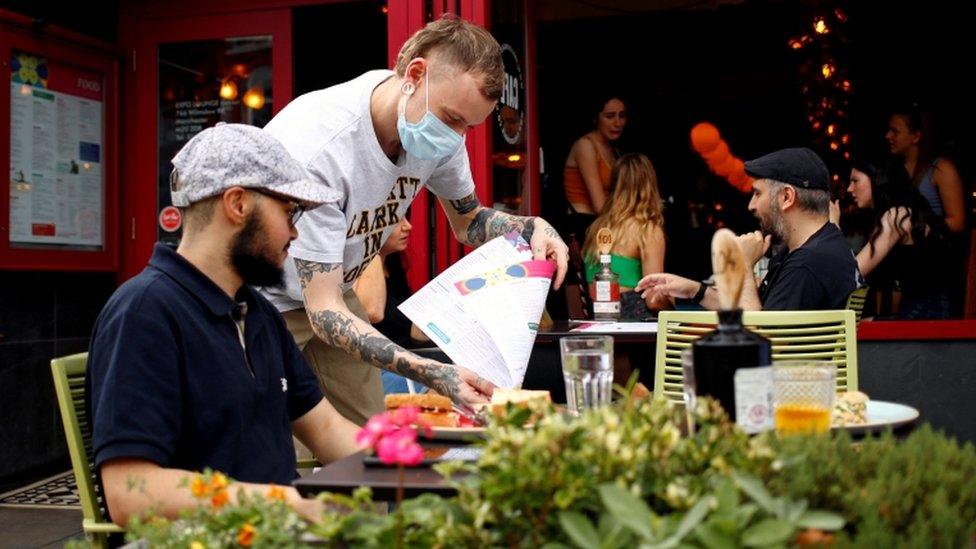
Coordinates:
823	336
69	384
855	301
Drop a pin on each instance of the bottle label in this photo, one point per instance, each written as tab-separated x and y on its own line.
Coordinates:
606	307
754	399
607	291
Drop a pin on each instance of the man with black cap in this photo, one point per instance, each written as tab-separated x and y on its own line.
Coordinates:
191	368
816	268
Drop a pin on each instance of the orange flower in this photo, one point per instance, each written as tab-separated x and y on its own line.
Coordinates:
219	498
276	492
199	487
246	536
218	481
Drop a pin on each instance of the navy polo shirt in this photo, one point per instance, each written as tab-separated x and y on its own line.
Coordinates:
168	380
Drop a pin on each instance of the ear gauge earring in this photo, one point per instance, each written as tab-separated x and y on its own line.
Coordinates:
408	88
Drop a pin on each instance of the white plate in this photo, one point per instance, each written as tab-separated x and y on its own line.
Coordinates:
882	415
455	433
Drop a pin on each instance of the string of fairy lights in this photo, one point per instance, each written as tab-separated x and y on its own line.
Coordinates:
825	83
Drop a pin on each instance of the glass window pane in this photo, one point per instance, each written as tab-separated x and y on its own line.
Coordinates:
202	83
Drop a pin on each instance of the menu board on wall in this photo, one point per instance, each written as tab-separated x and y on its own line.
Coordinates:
57	179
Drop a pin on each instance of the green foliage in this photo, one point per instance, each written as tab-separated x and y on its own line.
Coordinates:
916	492
629	476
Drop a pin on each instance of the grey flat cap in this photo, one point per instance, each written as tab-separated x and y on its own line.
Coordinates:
241	155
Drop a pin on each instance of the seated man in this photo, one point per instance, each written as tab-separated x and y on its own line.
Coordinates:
191	368
816	268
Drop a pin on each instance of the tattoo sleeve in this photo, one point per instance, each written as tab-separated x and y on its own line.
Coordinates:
308	268
465	205
489	223
343	331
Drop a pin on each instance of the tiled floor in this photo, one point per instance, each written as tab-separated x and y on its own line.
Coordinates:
38	527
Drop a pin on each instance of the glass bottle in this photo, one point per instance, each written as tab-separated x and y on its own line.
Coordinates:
606	292
718	354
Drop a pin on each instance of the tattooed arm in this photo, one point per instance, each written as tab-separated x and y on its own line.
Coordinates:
336	325
475	224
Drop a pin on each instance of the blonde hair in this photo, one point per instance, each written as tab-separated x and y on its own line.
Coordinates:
463	46
634	204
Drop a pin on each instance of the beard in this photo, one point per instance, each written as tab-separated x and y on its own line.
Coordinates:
248	255
773	224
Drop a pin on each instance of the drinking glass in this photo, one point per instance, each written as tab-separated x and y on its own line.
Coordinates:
803	396
587	370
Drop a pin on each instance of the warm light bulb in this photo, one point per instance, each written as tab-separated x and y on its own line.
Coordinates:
831	129
827	70
254	98
834	146
228	90
86	165
820	26
514	157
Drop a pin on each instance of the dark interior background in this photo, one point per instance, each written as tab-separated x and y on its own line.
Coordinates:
731	65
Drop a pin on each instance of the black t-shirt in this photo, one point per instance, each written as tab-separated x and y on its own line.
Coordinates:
819	275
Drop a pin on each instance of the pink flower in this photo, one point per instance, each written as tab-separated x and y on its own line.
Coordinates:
400	447
405	416
375	429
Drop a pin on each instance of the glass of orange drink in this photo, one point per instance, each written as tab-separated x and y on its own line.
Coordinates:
803	396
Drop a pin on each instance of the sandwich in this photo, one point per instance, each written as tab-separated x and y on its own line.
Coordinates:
520	398
850	408
435	409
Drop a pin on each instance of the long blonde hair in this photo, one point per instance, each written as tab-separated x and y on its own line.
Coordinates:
634	204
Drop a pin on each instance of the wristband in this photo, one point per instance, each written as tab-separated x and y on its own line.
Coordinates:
700	294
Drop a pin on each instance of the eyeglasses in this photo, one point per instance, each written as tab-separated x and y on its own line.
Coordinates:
295	209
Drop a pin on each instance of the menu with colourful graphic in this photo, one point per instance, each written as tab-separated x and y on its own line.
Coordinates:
56	144
484	310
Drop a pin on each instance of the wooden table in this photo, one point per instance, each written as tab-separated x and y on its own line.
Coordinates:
347	474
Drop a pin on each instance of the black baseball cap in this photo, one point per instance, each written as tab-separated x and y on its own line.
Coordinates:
799	167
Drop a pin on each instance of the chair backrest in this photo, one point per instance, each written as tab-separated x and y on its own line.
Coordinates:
578	300
69	384
825	336
855	301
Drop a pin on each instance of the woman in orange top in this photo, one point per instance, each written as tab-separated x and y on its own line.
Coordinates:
586	177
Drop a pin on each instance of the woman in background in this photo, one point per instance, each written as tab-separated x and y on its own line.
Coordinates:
635	218
586	175
906	246
910	137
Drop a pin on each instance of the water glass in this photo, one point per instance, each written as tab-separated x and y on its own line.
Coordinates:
587	370
803	396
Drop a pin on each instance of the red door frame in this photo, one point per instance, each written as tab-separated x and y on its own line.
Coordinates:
72	49
139	200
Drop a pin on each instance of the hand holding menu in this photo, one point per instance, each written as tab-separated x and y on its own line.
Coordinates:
484	310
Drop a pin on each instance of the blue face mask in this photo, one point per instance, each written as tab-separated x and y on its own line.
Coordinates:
430	138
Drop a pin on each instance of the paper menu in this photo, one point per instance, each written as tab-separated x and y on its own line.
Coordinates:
484	310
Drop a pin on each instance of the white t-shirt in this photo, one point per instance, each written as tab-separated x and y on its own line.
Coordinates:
331	133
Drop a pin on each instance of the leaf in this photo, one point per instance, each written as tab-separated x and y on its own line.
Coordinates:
692	518
767	532
755	490
728	499
579	529
632	512
555	545
712	538
794	510
821	520
612	533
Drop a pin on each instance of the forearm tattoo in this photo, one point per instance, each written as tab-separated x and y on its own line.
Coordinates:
489	223
340	330
466	204
308	268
